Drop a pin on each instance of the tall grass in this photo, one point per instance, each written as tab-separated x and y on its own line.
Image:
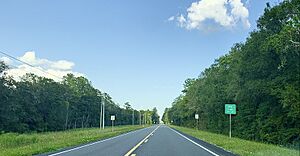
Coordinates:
239	146
13	144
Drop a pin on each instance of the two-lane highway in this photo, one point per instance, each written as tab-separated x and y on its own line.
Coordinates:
159	140
166	141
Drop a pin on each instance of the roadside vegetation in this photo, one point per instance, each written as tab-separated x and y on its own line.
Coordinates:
13	144
39	115
239	146
38	104
261	76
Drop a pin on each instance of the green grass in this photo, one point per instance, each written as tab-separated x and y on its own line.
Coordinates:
12	144
239	146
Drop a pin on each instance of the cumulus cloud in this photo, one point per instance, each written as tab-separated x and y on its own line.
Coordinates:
226	13
6	60
53	69
62	65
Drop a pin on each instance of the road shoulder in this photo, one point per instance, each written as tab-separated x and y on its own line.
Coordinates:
218	150
76	147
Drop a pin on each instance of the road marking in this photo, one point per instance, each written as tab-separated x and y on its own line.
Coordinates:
146	140
139	144
133	155
90	144
211	152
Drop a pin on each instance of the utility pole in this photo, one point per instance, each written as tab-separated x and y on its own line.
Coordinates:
140	118
132	116
103	117
145	118
100	113
100	122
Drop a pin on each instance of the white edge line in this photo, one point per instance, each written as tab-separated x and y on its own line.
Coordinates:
211	152
90	144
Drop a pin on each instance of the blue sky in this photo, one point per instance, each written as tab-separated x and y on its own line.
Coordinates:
126	48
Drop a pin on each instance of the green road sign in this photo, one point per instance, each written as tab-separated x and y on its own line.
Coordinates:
230	109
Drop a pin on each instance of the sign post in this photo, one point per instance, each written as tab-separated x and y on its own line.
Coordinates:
197	119
230	109
112	118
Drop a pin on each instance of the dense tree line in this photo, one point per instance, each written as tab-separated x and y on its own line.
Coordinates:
41	104
261	76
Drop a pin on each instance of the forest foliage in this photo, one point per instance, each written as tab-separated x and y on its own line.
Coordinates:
260	76
39	104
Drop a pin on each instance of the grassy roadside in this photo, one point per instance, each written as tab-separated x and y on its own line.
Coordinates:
12	144
239	146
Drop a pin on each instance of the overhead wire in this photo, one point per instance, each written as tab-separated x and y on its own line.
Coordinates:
42	70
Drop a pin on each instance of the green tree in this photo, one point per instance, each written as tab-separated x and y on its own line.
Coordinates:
261	76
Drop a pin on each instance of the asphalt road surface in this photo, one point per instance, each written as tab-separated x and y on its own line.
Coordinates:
159	140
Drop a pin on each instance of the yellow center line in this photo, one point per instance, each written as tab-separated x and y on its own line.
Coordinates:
139	144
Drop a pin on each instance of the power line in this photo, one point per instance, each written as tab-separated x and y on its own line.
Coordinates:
44	71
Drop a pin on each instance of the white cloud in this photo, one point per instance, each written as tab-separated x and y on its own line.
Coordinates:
63	65
239	12
29	57
181	20
226	13
171	18
53	69
6	60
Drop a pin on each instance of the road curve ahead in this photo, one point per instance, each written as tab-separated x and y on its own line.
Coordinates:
159	140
